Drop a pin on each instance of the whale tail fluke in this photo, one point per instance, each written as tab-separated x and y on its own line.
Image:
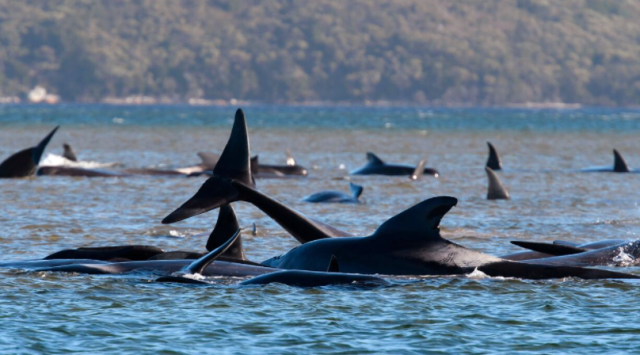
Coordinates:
419	171
356	190
496	190
226	226
209	160
234	165
619	164
198	266
549	248
25	162
373	159
69	154
493	161
290	160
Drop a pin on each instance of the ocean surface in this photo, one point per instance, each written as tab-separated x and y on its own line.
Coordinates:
542	152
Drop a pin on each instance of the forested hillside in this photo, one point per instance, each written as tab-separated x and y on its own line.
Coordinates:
469	52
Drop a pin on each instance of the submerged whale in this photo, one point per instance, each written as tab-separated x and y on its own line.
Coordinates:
619	165
375	166
336	196
260	170
495	191
25	162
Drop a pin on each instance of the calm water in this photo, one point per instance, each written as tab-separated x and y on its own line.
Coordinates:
541	149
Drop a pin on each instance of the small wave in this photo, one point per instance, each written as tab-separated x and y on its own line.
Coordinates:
623	258
58	160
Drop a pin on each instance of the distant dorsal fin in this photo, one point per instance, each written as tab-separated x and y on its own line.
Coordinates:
226	226
69	154
333	264
619	164
419	171
548	248
235	162
290	160
496	190
198	266
420	222
209	160
356	190
373	159
494	161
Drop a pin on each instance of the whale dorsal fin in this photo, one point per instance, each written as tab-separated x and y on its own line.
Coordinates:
69	154
226	226
24	162
494	161
548	248
419	171
198	266
333	264
235	162
496	190
290	160
209	160
356	190
619	164
419	223
373	159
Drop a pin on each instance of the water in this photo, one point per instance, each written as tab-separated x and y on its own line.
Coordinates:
542	151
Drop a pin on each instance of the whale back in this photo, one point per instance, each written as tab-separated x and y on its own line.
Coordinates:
25	162
496	190
493	161
619	164
226	226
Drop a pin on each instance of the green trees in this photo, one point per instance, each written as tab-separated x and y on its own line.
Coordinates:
488	52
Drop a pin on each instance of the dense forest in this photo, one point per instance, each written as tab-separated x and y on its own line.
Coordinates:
440	52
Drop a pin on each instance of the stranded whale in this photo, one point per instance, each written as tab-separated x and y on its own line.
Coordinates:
495	191
375	166
336	196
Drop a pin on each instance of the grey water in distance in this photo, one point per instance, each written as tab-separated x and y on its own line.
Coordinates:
542	151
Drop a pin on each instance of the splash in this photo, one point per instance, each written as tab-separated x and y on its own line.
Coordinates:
623	258
478	275
58	160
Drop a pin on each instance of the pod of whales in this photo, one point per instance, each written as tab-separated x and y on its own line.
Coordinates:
25	162
336	196
376	166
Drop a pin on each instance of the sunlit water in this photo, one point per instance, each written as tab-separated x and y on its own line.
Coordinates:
542	152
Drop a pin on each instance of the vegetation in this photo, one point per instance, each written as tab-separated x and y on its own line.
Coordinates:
481	52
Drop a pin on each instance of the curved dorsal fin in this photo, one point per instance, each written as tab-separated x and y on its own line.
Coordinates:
373	159
290	160
619	164
209	160
419	171
199	265
69	154
496	190
419	223
226	226
333	264
356	190
494	161
235	162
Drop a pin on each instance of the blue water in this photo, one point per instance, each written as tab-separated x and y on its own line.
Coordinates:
542	151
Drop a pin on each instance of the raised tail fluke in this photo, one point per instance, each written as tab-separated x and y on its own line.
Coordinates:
493	161
419	171
25	162
619	164
198	266
496	190
39	149
226	226
356	190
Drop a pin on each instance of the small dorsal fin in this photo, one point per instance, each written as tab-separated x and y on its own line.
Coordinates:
548	248
356	190
254	229
333	264
290	160
373	159
619	164
419	222
209	160
69	154
494	161
419	171
235	162
496	190
226	226
198	266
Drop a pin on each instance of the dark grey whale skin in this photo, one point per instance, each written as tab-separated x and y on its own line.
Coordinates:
376	166
25	162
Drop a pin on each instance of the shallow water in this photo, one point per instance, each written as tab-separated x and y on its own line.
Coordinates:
542	151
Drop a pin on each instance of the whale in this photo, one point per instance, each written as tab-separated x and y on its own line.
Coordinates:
496	190
110	253
539	250
376	166
336	196
25	162
410	244
291	169
493	161
61	170
232	180
619	165
208	162
69	153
